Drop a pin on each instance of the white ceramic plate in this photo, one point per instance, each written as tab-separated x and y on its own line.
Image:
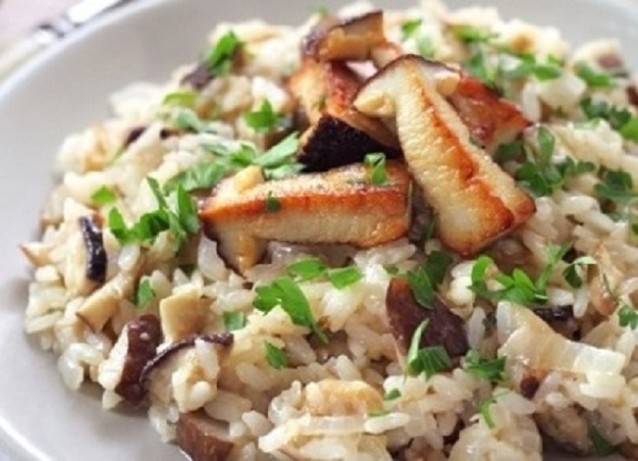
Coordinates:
65	90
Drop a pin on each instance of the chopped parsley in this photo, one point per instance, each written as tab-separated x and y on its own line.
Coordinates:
219	58
392	394
103	196
144	294
573	272
491	370
278	161
425	279
540	175
234	320
621	120
285	293
306	269
470	34
376	168
409	28
186	119
517	287
201	176
311	268
341	277
601	445
183	98
617	188
425	47
593	78
263	119
180	218
627	316
276	357
428	360
272	203
484	409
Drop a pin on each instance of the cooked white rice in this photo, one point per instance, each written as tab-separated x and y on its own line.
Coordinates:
329	404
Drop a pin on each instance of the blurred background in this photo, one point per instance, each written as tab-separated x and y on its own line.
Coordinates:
18	16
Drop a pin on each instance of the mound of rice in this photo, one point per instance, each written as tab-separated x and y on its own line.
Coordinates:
352	398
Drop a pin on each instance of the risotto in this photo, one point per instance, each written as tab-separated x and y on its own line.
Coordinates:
378	235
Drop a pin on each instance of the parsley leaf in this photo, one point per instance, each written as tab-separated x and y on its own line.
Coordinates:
264	118
425	47
376	168
592	77
272	204
470	34
409	28
517	287
342	277
144	294
486	412
428	360
572	272
276	357
392	394
621	120
627	316
424	280
234	320
183	98
201	176
602	446
489	369
543	177
306	269
278	161
103	196
284	292
219	58
187	119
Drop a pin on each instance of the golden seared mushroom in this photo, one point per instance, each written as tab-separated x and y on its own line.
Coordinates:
339	206
340	39
338	133
475	200
201	437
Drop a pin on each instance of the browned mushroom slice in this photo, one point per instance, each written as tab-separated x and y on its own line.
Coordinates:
339	134
201	438
475	200
405	315
351	39
339	206
96	260
491	119
141	337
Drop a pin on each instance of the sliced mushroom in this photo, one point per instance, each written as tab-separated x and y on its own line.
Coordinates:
96	260
224	340
181	314
560	318
338	134
339	206
104	302
201	437
405	315
475	200
340	39
135	347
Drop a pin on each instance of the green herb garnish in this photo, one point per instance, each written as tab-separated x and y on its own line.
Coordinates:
425	279
341	277
183	98
201	176
144	294
234	320
593	78
392	394
103	196
409	28
276	357
306	269
602	446
272	204
264	118
428	360
376	168
572	272
219	58
285	293
489	369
